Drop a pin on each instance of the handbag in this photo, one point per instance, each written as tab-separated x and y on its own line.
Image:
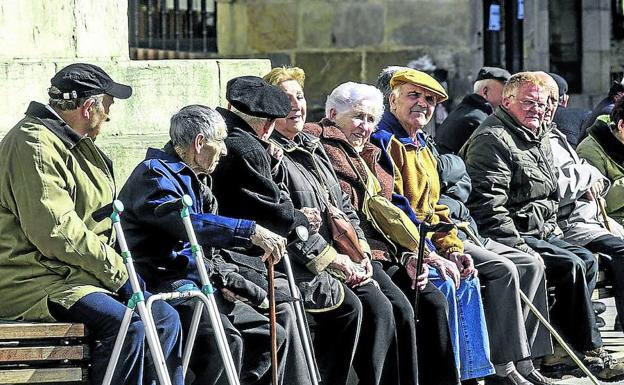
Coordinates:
389	220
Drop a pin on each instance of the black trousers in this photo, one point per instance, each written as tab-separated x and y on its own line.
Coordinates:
572	270
335	337
613	247
436	361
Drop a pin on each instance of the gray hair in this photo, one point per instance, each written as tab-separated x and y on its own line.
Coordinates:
479	85
193	120
72	104
383	82
347	96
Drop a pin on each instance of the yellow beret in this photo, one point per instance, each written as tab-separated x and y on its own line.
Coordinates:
420	79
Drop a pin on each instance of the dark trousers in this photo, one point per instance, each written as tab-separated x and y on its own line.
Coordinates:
102	315
572	270
613	247
436	361
335	334
248	336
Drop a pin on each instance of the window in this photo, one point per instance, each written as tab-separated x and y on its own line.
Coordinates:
160	29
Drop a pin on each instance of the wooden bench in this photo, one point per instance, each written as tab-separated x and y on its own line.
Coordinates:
37	353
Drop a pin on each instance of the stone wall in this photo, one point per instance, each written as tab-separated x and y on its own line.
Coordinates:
40	37
352	40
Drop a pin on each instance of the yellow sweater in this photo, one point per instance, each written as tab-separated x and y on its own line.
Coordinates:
418	181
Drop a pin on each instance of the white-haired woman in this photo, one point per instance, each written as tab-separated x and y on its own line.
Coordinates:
352	111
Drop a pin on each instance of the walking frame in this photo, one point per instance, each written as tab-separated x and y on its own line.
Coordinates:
465	227
137	303
183	205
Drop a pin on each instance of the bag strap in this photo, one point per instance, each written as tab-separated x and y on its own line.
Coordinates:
357	173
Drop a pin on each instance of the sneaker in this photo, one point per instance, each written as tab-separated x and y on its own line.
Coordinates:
600	322
612	370
599	307
560	363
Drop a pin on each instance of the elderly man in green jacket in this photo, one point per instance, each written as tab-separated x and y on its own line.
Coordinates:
58	264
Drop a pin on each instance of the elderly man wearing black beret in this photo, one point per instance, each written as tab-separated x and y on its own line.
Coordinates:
473	109
243	183
165	259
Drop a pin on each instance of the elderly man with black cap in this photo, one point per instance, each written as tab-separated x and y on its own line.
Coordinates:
58	264
244	183
473	109
514	340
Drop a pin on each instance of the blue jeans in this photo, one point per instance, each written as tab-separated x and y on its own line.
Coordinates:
102	315
467	323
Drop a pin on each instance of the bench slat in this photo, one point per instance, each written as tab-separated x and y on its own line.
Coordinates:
21	331
44	353
38	376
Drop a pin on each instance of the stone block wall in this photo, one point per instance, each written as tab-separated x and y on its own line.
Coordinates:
352	40
41	37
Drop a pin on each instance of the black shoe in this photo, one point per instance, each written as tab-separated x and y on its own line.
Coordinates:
472	381
537	378
599	307
600	322
513	378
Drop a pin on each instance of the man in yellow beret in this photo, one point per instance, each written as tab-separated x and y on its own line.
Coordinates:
503	270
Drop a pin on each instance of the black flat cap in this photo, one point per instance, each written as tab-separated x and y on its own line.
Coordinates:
561	83
495	73
253	96
81	80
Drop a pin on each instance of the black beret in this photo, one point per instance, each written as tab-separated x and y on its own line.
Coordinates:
561	83
495	73
253	96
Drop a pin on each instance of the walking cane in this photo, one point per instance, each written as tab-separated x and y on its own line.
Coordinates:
302	323
272	318
465	227
423	230
136	302
603	212
205	294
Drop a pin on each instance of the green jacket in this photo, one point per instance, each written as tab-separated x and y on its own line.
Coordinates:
52	181
603	151
514	181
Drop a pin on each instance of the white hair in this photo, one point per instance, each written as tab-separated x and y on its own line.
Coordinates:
193	120
347	96
72	104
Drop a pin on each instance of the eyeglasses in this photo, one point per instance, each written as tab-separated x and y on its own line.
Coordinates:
528	104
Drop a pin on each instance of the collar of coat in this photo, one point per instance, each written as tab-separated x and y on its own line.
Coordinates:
327	129
391	124
601	132
53	123
302	141
168	157
479	102
512	124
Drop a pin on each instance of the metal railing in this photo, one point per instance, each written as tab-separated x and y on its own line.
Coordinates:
172	26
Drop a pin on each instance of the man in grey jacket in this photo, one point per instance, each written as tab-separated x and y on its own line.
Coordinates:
581	186
515	201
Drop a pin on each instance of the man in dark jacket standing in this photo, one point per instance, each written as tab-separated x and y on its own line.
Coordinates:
515	201
473	109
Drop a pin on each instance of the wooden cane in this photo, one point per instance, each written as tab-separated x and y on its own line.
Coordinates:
603	212
272	319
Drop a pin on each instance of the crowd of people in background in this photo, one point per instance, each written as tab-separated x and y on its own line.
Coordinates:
530	189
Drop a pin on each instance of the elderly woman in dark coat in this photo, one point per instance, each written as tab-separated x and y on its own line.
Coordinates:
307	173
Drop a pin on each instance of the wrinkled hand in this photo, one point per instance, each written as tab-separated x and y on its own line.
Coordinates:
314	218
344	264
464	263
363	272
421	280
275	151
445	268
595	191
271	243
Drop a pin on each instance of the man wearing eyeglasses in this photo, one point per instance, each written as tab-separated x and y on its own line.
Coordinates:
514	200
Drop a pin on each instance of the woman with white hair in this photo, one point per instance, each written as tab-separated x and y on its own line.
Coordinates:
352	111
